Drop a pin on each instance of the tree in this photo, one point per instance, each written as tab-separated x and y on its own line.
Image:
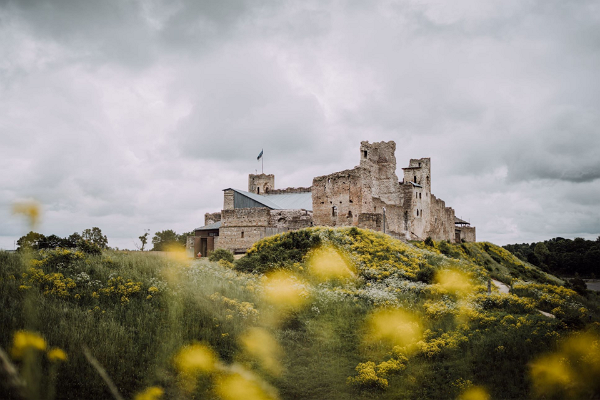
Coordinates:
182	239
144	240
95	236
31	241
164	240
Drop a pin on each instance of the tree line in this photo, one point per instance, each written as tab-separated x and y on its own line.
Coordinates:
161	241
563	257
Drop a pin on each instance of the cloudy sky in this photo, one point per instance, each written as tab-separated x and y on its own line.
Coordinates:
132	115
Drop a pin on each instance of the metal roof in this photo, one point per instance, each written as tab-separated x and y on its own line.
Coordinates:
286	201
216	225
460	221
292	201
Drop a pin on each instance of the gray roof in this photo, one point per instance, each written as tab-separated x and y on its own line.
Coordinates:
292	201
286	201
460	221
415	184
216	225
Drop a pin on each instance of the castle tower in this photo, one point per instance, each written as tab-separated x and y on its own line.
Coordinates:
419	172
261	183
380	160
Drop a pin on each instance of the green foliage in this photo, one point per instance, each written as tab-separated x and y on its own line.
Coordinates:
136	310
30	241
221	254
96	237
89	247
564	257
429	242
169	240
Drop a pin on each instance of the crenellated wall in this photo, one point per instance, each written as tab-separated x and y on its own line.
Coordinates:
211	218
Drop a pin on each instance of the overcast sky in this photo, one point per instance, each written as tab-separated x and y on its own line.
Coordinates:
134	115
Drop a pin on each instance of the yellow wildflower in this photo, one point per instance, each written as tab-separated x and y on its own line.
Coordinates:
151	393
24	340
56	354
236	386
195	359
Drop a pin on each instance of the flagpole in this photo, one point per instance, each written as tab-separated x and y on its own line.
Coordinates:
262	168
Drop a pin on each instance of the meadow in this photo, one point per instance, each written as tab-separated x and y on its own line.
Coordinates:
318	313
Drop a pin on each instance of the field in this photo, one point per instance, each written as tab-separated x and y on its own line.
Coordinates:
312	314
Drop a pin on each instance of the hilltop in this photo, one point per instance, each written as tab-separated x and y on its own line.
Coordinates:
339	313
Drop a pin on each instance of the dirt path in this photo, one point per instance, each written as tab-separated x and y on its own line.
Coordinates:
503	288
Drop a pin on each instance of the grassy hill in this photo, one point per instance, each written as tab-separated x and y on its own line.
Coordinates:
318	313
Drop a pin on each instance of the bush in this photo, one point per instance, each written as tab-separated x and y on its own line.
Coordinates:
221	254
89	247
429	242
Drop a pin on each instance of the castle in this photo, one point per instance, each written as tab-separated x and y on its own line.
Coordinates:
368	196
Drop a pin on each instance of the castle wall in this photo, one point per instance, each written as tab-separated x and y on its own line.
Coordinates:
340	197
466	233
290	190
291	219
242	227
380	160
211	218
260	183
228	196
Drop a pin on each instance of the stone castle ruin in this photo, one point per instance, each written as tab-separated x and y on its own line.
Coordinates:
369	196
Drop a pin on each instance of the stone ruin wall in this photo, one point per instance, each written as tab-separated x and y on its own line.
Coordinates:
291	219
211	218
228	202
441	220
380	160
348	191
251	221
261	183
467	233
290	190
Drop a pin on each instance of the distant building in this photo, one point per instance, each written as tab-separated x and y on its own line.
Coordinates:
368	196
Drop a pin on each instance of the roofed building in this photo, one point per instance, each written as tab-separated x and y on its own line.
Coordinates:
368	196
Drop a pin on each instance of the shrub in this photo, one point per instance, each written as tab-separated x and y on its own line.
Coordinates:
221	254
89	247
429	242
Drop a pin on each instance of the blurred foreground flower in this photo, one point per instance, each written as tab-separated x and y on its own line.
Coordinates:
195	359
285	291
151	393
30	209
474	393
236	387
395	326
261	344
326	263
56	354
572	371
24	340
453	281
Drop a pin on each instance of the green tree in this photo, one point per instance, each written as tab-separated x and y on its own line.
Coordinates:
30	241
164	240
95	236
144	240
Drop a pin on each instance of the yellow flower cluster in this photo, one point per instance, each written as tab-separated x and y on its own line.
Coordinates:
24	340
51	284
151	393
448	340
243	309
121	289
366	377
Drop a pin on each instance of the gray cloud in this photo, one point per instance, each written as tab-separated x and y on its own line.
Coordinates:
134	115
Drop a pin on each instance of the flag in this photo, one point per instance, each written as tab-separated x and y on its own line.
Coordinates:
259	156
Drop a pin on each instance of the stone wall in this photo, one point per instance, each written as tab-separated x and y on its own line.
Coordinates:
340	197
291	219
467	233
380	160
211	218
290	190
261	183
241	227
228	203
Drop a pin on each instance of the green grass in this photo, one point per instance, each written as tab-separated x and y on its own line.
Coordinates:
135	311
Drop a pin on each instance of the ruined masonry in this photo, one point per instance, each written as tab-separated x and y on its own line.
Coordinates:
369	196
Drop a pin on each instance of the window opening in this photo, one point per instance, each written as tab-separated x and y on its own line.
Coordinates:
334	211
419	195
349	214
364	154
242	234
415	179
417	212
257	190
